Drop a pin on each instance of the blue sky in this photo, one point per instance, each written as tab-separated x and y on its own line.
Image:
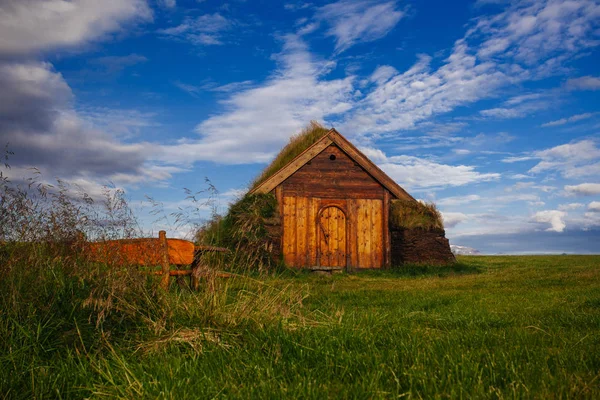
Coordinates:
490	108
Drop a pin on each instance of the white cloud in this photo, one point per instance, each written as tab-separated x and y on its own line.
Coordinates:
517	107
528	41
502	113
461	152
572	160
535	33
536	203
205	30
296	6
529	185
584	83
359	21
553	217
573	118
490	223
451	219
258	121
594	206
511	198
458	200
523	98
583	189
121	123
192	90
32	25
514	159
570	206
415	95
115	64
415	172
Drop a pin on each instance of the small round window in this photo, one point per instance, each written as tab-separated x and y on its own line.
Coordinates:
332	157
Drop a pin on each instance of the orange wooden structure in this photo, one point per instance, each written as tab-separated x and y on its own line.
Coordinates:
334	203
154	252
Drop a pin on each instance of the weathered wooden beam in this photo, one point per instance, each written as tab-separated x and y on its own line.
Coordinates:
293	166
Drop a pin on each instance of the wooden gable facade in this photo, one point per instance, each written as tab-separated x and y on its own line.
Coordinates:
334	204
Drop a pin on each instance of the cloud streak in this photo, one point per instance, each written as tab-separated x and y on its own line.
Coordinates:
563	121
205	30
528	41
358	21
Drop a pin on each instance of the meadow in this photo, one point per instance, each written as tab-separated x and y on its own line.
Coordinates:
487	327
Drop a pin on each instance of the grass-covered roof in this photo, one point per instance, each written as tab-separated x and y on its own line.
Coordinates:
297	144
405	214
410	214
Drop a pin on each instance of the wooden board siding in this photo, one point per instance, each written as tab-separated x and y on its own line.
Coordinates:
299	231
357	224
323	177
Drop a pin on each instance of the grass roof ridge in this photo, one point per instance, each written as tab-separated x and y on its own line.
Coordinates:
297	144
410	214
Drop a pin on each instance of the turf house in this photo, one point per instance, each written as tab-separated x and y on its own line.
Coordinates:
323	205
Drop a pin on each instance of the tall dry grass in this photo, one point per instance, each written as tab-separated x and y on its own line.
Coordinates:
244	231
62	312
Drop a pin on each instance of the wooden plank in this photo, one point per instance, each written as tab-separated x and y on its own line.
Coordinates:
311	237
321	232
333	191
301	208
377	234
387	245
368	234
366	211
342	248
279	197
293	166
372	237
292	229
352	234
328	229
334	218
360	230
287	230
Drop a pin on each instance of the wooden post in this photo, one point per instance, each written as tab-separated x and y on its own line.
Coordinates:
164	251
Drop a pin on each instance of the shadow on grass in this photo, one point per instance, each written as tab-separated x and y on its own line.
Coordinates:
417	270
408	270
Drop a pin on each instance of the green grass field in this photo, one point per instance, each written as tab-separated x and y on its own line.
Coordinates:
489	327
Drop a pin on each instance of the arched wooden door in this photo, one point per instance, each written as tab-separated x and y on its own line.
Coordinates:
331	225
